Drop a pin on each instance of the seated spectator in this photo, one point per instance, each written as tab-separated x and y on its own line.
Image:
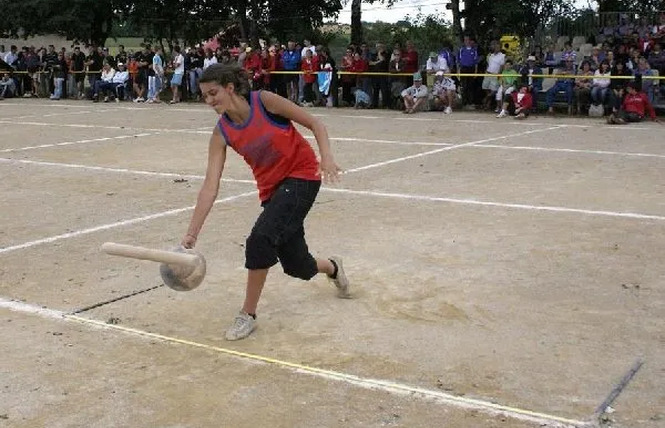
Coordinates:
7	87
535	84
634	107
583	87
657	59
120	79
618	85
550	59
507	83
397	84
568	53
518	104
104	84
597	56
601	84
444	93
649	86
563	84
415	97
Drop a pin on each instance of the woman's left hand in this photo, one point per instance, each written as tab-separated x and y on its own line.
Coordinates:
329	170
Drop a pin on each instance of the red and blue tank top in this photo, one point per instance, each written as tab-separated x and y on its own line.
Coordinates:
271	146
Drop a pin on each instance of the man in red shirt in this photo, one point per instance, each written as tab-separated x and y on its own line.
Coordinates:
634	107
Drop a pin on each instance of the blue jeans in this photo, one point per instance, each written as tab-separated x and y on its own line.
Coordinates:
567	87
599	95
154	86
194	76
59	83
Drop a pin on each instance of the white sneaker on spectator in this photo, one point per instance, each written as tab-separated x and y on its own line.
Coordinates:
117	100
448	110
502	114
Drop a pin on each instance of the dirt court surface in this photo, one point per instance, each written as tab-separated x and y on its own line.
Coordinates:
505	274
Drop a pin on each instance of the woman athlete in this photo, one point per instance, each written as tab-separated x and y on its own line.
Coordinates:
258	126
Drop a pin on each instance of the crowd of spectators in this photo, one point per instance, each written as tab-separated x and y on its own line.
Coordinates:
364	77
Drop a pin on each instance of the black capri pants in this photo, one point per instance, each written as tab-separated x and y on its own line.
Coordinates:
279	233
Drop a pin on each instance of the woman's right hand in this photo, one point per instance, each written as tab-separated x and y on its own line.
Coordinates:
188	241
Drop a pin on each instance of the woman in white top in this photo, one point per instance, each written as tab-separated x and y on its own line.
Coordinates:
601	84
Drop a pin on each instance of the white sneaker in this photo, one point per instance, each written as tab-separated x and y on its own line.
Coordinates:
448	110
502	114
243	325
341	281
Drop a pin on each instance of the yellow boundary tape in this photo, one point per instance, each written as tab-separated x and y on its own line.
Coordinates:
356	380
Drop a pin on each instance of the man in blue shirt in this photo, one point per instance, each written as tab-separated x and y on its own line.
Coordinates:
467	62
291	62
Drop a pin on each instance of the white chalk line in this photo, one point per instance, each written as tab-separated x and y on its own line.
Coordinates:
498	204
120	170
97	126
554	149
136	220
359	381
638	216
457	146
68	113
78	142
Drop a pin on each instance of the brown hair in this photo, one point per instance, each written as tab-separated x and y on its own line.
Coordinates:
223	74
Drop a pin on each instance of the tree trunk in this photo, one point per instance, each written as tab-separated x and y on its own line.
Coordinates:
356	22
457	20
242	20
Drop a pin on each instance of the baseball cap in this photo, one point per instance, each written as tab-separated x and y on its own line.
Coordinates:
433	54
417	77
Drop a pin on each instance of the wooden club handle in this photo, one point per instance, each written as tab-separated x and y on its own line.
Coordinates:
141	253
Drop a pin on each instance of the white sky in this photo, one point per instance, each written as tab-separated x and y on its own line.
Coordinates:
378	12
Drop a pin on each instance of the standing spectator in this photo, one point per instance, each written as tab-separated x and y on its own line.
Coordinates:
50	60
618	85
398	84
310	68
495	62
380	84
649	86
11	57
327	63
307	45
59	75
291	62
93	62
78	70
348	80
133	84
121	56
178	72
361	65
601	84
209	59
3	53
436	63
415	97
33	65
447	54
144	64
467	60
155	76
410	61
195	70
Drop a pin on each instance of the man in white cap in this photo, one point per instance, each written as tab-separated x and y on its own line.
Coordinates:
415	97
444	93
